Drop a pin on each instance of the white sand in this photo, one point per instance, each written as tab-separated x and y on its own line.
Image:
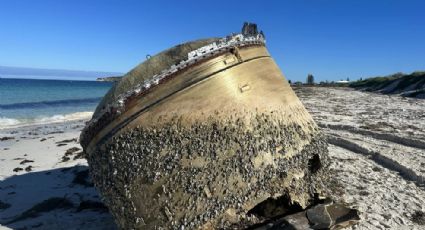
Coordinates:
377	156
49	177
381	164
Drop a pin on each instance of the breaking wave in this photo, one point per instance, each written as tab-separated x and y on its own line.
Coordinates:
6	122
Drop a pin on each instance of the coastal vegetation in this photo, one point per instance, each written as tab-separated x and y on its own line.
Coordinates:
408	85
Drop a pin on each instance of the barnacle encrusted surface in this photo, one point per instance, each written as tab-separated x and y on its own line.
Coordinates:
214	144
208	174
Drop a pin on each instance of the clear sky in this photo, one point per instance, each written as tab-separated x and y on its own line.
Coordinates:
332	39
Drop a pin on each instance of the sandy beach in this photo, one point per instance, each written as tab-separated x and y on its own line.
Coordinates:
377	150
377	144
276	115
44	182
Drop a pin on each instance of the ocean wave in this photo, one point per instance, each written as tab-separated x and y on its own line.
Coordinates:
6	122
53	103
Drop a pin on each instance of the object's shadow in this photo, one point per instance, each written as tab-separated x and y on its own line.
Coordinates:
62	198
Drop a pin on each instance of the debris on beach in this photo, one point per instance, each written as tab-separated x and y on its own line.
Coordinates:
74	151
26	161
17	169
67	141
206	135
6	138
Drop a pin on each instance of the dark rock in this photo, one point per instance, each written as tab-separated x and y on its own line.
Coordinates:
297	221
342	216
55	132
6	138
65	159
26	161
79	155
17	169
319	217
71	151
67	141
331	215
273	207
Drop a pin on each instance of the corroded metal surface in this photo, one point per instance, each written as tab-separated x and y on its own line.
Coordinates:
206	146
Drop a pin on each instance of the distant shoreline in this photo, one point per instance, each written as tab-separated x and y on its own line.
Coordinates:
37	73
8	77
109	79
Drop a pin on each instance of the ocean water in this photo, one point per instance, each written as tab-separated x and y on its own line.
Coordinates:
28	101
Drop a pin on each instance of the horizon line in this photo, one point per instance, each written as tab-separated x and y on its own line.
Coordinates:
64	69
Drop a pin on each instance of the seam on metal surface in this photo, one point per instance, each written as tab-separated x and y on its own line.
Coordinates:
118	127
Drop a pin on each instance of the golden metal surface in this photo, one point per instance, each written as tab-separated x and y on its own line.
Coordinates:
225	83
208	145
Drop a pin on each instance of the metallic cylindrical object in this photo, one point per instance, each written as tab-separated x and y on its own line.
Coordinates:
217	136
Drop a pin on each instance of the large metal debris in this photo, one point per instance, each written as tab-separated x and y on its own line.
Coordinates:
207	134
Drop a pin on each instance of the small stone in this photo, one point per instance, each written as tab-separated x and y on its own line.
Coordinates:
319	217
25	161
17	169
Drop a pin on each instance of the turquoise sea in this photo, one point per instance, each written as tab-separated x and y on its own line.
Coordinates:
28	101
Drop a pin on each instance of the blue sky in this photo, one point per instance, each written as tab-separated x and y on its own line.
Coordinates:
332	39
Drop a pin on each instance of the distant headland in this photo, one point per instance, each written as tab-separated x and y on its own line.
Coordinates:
109	79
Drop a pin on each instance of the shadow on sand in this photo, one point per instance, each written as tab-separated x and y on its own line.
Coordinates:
62	198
